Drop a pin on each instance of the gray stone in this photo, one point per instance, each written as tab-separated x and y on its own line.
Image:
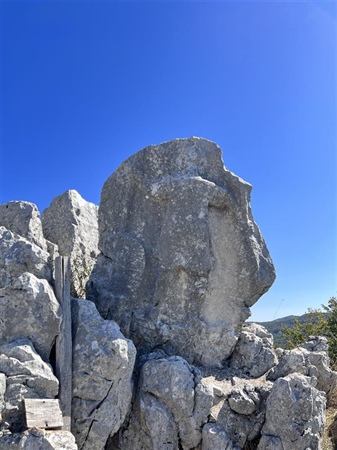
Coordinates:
17	255
26	376
29	309
71	223
23	218
240	414
214	438
171	406
38	439
289	361
254	354
176	231
295	415
316	344
244	402
311	359
103	362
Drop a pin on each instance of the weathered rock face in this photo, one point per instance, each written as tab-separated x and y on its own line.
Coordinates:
180	250
71	223
17	255
23	218
254	354
26	376
172	405
311	359
29	309
294	415
103	362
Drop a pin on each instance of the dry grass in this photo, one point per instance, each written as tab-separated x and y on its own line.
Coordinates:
329	441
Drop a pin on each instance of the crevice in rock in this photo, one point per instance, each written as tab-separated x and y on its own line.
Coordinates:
101	402
86	438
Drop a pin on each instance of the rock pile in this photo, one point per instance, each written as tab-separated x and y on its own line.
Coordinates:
177	264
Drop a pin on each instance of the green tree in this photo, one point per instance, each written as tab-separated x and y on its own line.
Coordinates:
319	322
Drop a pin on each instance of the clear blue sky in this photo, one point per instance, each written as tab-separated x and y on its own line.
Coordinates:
87	84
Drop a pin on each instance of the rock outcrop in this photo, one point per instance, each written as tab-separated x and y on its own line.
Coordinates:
71	223
176	231
103	363
181	263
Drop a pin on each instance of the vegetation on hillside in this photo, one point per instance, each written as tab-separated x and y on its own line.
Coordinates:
319	322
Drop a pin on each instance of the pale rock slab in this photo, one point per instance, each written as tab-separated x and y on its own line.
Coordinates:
71	223
23	218
295	415
103	362
172	405
26	376
176	230
29	309
254	354
18	255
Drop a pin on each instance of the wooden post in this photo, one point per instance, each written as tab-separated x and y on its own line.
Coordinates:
63	369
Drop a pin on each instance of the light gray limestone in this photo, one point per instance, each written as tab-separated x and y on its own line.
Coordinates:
23	218
38	439
29	309
103	362
71	223
18	255
180	250
311	359
26	376
172	405
295	415
254	354
240	411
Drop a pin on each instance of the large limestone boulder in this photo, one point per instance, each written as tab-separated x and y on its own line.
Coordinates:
23	218
29	309
181	250
295	415
26	376
71	223
103	362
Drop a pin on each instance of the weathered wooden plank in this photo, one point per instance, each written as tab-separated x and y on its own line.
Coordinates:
63	366
43	413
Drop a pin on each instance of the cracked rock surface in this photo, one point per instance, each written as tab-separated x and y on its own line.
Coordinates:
103	362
